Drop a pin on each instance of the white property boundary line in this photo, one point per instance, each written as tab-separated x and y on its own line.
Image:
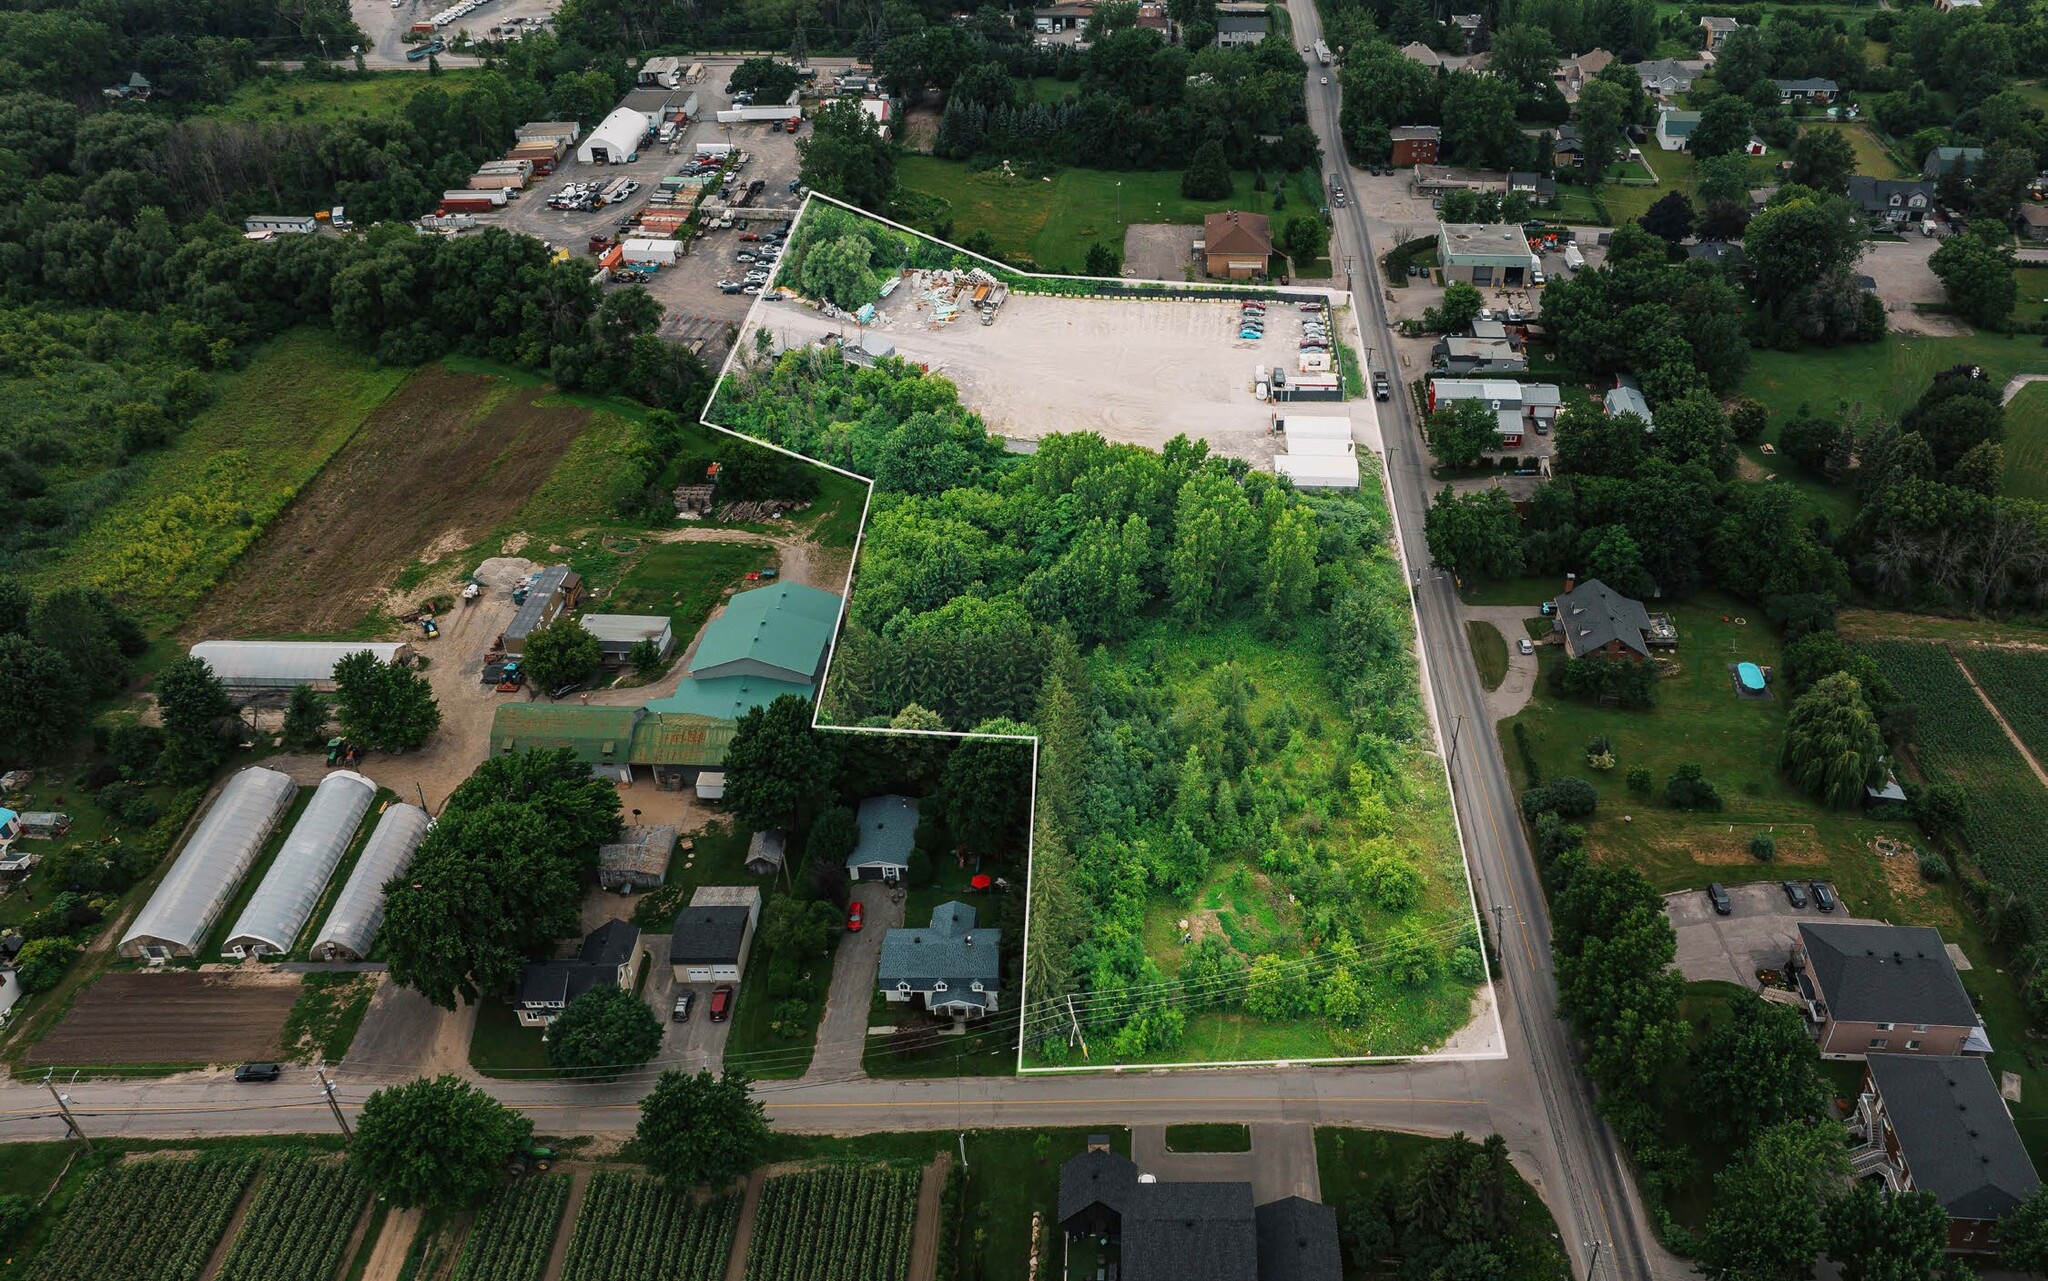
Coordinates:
1031	836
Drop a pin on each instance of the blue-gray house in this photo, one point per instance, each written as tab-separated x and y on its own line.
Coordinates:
888	829
954	965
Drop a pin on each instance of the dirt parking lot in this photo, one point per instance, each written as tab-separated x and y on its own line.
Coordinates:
171	1018
1137	371
1904	279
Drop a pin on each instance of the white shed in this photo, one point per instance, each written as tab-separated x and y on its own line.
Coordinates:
175	920
358	911
656	251
1319	452
617	634
284	664
616	140
291	889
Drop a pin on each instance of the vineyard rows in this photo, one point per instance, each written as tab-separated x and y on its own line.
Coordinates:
844	1223
1959	741
2017	681
300	1224
147	1220
515	1231
630	1228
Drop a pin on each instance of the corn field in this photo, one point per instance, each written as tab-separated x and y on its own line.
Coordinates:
300	1224
843	1223
630	1228
515	1231
149	1220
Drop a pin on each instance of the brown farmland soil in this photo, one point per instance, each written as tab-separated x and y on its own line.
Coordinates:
444	461
172	1018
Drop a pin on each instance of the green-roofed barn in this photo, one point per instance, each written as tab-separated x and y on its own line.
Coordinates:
780	633
600	736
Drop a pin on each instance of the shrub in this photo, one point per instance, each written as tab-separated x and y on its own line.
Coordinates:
1933	867
1688	789
42	963
1529	765
1640	779
1762	846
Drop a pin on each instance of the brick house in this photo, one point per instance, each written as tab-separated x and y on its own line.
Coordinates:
1937	1124
1236	246
1415	144
1884	989
1598	622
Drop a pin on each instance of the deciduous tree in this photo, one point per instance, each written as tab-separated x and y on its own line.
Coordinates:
1461	432
1765	1224
1477	535
1755	1071
777	766
384	705
440	1142
602	1033
1833	750
564	652
1875	1234
701	1130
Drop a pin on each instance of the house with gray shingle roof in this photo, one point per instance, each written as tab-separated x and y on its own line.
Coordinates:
1599	622
953	964
888	830
1666	77
1884	989
1939	1125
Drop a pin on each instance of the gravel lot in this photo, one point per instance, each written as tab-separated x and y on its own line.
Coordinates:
1159	250
1903	279
1141	372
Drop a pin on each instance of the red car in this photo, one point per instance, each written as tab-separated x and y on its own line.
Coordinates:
853	918
721	1003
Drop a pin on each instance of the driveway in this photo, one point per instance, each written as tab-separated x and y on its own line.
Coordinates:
405	1035
844	1031
699	1043
1757	935
1520	683
1282	1162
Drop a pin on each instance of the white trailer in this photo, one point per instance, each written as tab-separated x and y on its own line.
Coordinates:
719	149
741	115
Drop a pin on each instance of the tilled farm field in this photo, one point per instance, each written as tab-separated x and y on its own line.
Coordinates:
168	1019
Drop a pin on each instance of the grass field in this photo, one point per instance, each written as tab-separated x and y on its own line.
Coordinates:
205	499
372	94
1052	221
1489	653
685	581
499	1046
2031	306
1879	378
2026	443
1047	89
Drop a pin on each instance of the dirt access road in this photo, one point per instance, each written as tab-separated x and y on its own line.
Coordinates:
448	458
171	1017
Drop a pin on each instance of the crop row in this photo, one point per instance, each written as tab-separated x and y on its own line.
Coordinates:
844	1223
515	1232
299	1225
1959	741
630	1227
145	1220
2017	681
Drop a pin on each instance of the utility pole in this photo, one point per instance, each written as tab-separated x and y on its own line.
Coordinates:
334	1105
64	1106
1075	1023
1596	1243
1456	729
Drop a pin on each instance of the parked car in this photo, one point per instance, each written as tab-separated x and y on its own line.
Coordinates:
258	1072
1795	893
721	1003
1718	896
853	918
1525	645
684	1000
1823	896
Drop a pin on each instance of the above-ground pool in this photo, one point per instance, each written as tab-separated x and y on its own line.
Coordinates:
1751	676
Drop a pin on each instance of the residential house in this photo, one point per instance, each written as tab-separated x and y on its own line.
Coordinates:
604	960
1468	24
766	850
1483	254
1666	77
713	935
1950	6
1540	188
1415	144
1518	408
1892	201
638	860
1943	161
1568	148
1884	989
1240	23
1167	1231
1598	622
888	832
1236	245
1674	128
1818	91
1625	397
1721	253
1717	30
1153	17
617	634
954	967
2033	220
1416	51
1574	74
1938	1124
1490	349
549	594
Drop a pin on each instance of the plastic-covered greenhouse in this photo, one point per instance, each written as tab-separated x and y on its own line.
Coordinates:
359	910
175	920
284	664
277	911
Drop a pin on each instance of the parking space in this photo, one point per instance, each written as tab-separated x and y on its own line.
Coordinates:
696	1042
1757	934
386	23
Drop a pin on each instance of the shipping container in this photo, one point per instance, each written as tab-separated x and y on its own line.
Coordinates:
471	201
496	181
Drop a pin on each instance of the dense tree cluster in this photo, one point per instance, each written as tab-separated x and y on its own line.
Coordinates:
58	653
1676	327
1453	1215
441	1142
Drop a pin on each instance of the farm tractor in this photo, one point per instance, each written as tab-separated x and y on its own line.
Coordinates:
343	753
429	628
535	1160
511	678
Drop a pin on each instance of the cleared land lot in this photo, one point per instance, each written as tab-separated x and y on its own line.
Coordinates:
440	464
168	1019
1137	371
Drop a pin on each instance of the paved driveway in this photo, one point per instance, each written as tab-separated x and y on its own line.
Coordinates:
1282	1162
844	1031
1757	935
1520	682
699	1043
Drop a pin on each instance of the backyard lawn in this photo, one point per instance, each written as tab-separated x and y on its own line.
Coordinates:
1871	157
685	581
1878	378
2026	443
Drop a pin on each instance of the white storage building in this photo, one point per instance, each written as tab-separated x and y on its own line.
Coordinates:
1319	452
284	664
358	910
662	252
175	920
616	140
617	634
277	911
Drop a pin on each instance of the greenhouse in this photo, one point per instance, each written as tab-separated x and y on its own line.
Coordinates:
352	925
175	920
277	911
284	664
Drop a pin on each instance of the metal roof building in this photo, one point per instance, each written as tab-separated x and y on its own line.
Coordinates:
359	909
616	140
551	591
277	911
780	632
175	920
284	664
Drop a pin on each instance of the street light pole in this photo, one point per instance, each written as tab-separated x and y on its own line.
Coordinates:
1119	202
1591	1267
